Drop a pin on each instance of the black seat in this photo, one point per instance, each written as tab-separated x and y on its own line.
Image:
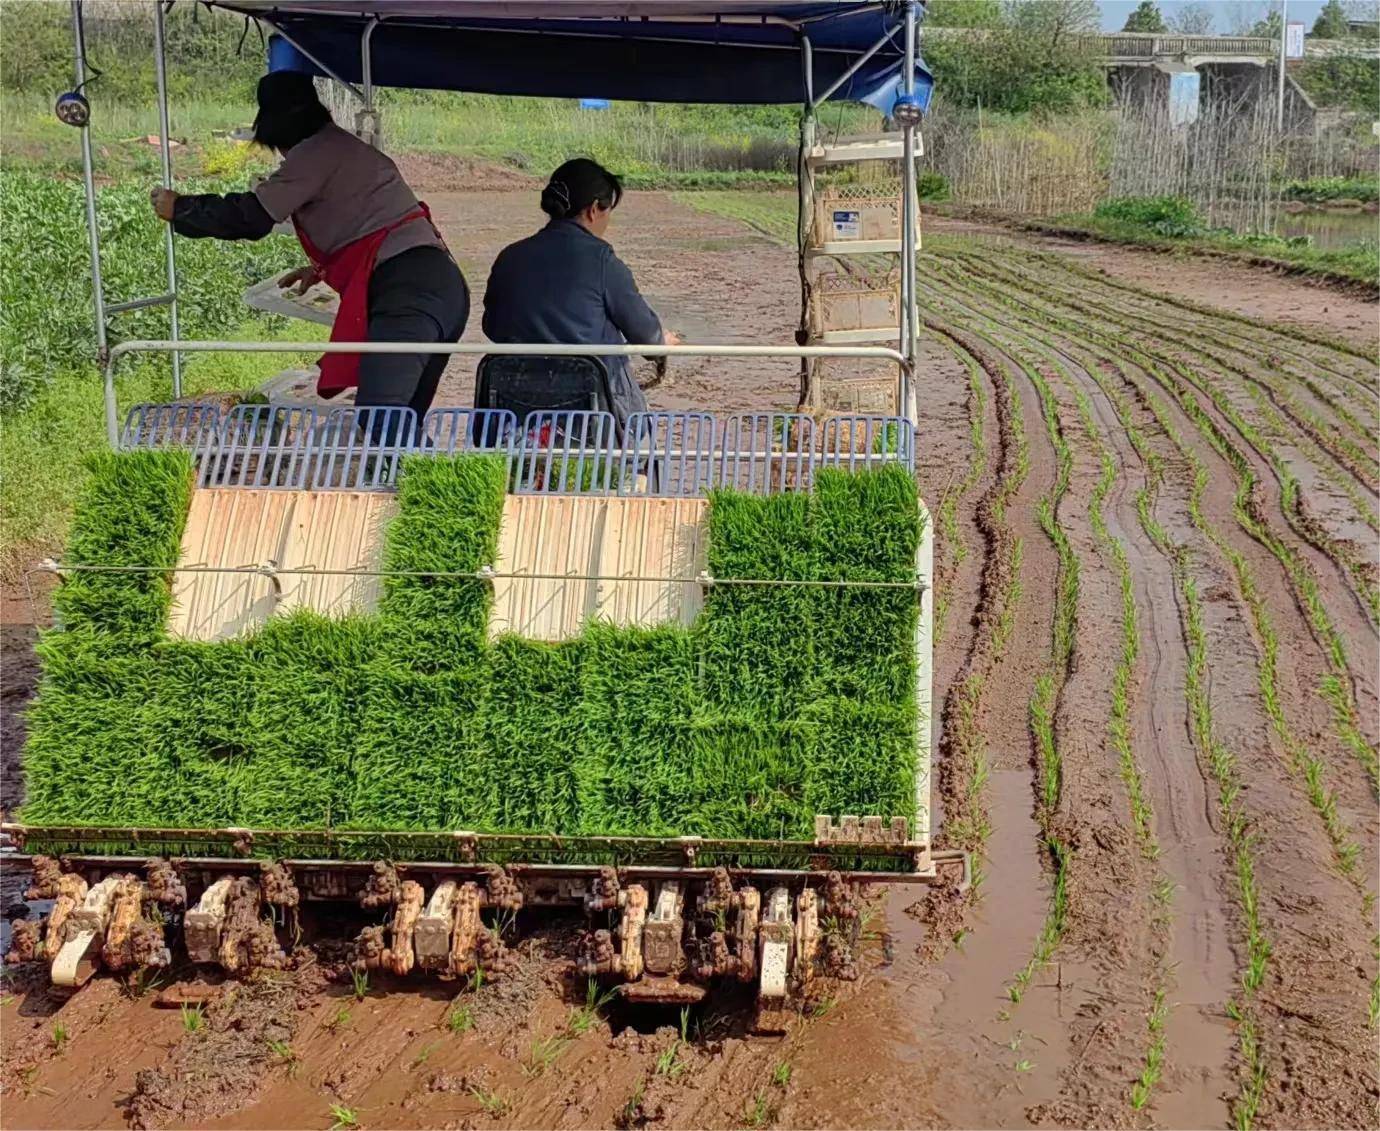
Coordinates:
527	385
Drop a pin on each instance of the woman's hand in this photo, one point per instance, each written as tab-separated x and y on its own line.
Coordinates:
303	279
672	338
163	201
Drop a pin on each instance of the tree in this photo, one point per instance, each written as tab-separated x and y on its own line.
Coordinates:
1331	22
963	13
1147	19
1035	58
1191	19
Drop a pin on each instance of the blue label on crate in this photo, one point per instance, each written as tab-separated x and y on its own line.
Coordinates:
847	225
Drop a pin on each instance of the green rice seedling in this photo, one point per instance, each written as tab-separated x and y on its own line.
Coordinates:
410	718
460	1019
343	1118
286	1055
359	983
543	1054
627	1117
822	1008
781	1074
60	1035
584	1018
341	1019
760	1113
490	1102
423	1055
192	1017
668	1062
1023	1065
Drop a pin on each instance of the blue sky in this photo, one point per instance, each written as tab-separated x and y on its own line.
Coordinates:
1225	12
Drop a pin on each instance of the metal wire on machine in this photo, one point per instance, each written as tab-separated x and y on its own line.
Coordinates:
271	570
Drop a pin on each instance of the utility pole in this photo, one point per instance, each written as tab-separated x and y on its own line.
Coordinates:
1283	41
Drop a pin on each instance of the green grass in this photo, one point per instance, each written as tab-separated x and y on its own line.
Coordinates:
1357	266
44	445
777	704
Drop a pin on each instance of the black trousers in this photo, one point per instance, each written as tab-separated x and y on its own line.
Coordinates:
418	295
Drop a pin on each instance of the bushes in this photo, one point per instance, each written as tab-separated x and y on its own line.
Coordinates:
1163	215
1322	190
45	277
778	703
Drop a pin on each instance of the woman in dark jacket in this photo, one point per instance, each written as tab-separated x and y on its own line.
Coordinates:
565	284
362	229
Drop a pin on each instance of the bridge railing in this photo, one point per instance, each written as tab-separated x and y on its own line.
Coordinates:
1136	45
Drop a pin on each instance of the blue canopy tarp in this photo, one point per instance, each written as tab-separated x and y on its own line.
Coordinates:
729	51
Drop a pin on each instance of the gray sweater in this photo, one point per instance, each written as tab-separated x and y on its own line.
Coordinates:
565	284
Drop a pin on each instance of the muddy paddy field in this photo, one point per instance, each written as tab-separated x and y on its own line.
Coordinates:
1157	490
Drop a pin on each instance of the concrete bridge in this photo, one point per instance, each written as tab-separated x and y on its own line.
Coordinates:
1188	75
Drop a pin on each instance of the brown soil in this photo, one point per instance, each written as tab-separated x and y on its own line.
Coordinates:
961	1017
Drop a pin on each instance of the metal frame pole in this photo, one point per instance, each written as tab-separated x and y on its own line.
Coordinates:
476	349
910	335
89	184
160	71
368	114
1283	47
804	202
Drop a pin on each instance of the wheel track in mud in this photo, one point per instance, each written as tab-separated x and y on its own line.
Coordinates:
1210	747
963	763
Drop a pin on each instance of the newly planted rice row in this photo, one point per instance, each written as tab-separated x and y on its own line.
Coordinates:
1335	689
963	769
1043	705
1307	766
1196	376
1264	372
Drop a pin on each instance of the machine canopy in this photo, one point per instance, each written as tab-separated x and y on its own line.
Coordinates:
729	51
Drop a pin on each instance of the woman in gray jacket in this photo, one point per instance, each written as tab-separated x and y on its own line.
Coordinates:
565	284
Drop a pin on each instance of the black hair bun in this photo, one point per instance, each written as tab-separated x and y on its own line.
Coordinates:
576	185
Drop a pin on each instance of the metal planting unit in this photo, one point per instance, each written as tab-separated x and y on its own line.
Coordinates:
670	915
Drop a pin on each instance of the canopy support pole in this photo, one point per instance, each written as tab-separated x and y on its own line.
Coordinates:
804	209
367	124
910	332
160	70
89	185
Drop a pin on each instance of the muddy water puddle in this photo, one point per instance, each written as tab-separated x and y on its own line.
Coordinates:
997	1056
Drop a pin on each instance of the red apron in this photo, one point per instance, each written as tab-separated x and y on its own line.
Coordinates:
347	272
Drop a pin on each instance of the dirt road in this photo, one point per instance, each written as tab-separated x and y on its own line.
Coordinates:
1156	488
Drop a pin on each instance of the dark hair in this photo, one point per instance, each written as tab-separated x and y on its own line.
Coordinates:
289	110
576	185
